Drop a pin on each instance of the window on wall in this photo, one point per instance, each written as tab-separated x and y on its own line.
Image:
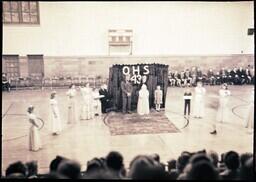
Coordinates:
20	12
11	66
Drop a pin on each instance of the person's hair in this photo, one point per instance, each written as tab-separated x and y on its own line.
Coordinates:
55	163
156	157
30	109
94	164
52	95
182	161
244	157
247	171
69	168
145	167
232	160
16	167
32	168
199	157
202	170
171	164
214	156
114	160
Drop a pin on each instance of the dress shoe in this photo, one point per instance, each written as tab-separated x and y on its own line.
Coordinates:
213	132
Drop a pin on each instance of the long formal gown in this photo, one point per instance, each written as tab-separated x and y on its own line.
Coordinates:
56	125
143	102
71	106
96	103
199	102
87	104
250	115
34	135
223	100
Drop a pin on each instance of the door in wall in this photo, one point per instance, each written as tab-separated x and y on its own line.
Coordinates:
36	69
10	66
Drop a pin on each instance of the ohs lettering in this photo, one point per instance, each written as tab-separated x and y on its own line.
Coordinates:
136	78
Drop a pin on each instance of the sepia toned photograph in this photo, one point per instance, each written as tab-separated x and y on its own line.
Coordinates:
128	90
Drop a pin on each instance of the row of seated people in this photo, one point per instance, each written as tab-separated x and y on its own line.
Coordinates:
200	165
8	83
231	76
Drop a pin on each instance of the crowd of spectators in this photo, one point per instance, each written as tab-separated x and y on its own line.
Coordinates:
200	165
231	76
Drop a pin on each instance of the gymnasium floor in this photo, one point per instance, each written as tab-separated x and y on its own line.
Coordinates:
92	138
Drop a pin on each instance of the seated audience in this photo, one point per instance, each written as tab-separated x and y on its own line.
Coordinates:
70	169
231	160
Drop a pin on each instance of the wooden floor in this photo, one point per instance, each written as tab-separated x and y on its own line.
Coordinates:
92	138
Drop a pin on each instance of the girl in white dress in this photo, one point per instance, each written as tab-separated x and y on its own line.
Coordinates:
250	116
143	102
55	115
97	103
158	98
71	104
224	94
34	135
199	100
87	104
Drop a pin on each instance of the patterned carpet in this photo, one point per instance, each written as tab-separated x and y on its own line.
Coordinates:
132	124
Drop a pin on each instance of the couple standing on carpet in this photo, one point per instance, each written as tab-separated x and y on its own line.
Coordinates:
143	101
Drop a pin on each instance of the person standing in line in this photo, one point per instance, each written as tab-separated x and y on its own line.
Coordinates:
187	100
34	135
199	100
143	102
158	98
106	100
87	105
96	103
224	94
126	88
71	93
250	116
55	115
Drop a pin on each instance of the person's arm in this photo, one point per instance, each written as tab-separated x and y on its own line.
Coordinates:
123	88
32	121
53	110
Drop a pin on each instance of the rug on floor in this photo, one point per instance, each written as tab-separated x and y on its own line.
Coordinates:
131	124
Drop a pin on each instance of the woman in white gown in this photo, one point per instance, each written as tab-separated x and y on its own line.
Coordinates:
96	102
55	115
87	103
224	94
34	135
71	93
199	100
250	116
143	102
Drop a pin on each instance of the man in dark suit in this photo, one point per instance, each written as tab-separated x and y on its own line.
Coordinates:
6	82
211	77
235	77
241	74
199	75
126	88
106	100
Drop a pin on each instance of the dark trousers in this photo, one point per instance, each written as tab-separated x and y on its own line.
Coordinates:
126	103
6	86
187	107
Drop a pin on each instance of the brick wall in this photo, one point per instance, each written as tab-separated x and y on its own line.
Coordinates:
99	65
